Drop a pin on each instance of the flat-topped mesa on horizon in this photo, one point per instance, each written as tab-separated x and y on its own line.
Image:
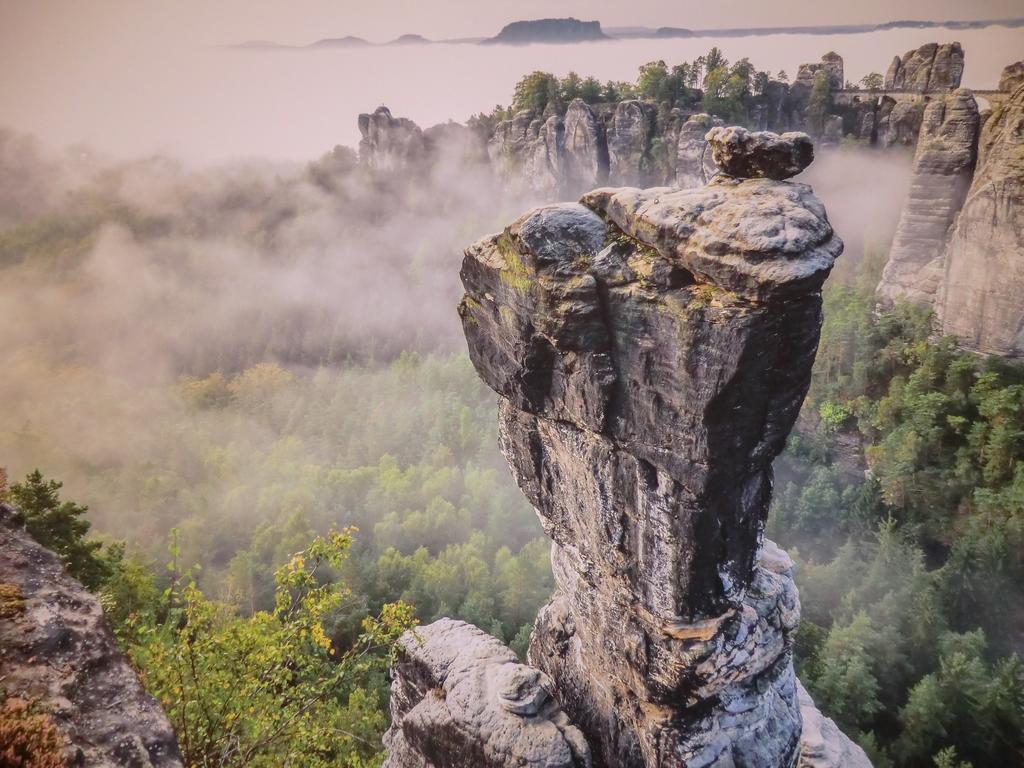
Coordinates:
651	349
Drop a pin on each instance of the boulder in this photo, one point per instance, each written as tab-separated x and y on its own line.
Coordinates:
461	699
759	155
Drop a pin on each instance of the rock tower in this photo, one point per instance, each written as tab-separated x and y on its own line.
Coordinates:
651	350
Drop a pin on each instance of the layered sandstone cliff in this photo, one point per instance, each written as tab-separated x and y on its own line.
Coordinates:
932	67
651	349
981	301
943	167
58	653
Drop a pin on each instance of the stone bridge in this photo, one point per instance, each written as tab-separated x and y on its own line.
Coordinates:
849	96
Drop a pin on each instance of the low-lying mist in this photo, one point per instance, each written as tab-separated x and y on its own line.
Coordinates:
135	293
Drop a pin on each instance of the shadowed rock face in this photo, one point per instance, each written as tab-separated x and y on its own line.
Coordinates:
760	155
943	165
630	135
57	649
651	349
982	296
932	67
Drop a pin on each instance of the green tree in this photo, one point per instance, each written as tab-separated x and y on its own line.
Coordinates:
536	91
570	87
819	103
872	81
271	689
60	526
590	90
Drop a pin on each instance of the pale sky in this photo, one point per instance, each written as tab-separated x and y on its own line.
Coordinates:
72	23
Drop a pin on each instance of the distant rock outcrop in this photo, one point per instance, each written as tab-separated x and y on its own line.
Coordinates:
982	296
651	350
932	67
389	143
694	166
586	147
1012	77
548	31
56	650
630	135
943	165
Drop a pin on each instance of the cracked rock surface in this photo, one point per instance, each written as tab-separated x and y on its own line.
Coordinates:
651	349
57	650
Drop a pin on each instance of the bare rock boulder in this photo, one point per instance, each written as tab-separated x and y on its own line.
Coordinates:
759	155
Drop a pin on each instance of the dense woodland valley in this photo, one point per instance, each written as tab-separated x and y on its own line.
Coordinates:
276	455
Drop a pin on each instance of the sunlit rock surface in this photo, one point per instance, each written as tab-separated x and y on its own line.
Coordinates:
823	744
982	296
943	165
932	67
461	699
57	650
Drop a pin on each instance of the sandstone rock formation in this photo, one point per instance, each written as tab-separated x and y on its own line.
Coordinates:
527	152
389	143
57	650
1012	77
586	148
943	165
823	744
630	135
982	296
831	62
694	166
651	349
760	155
932	67
461	699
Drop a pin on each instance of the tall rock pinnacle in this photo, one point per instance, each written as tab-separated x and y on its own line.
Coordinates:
651	349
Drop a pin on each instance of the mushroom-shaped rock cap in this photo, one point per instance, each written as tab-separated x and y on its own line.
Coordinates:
761	154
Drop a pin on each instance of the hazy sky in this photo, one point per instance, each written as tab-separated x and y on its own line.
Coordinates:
132	77
64	24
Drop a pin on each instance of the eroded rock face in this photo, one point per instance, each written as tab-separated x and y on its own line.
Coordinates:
527	152
760	155
652	348
1012	77
932	67
943	166
630	134
586	149
823	745
389	143
694	166
982	297
57	649
461	699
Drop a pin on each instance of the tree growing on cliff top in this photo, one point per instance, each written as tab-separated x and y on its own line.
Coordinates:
536	91
59	526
